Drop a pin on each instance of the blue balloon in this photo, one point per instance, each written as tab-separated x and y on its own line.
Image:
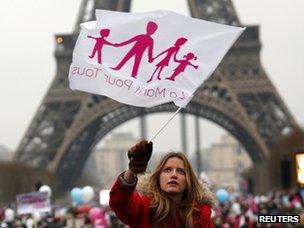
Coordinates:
285	200
76	195
302	193
222	195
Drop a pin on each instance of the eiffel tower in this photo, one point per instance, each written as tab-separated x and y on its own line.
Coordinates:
239	97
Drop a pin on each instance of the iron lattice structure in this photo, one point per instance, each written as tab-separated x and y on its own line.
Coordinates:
239	97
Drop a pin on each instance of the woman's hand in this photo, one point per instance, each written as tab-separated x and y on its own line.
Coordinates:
139	156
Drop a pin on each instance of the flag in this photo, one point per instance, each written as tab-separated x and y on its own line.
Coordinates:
147	59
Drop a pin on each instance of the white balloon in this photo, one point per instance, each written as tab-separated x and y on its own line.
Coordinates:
104	197
9	215
236	208
47	189
29	222
36	216
88	193
205	179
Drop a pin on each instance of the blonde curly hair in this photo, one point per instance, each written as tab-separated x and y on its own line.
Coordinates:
196	193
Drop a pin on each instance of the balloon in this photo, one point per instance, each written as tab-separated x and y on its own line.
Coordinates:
285	200
9	215
76	195
302	193
88	194
36	216
203	176
47	189
29	222
96	213
104	197
222	195
236	208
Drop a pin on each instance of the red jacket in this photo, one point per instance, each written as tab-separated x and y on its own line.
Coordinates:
133	209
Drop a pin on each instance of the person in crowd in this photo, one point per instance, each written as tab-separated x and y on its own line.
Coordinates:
174	196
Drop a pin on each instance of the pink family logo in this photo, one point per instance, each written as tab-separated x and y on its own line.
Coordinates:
141	43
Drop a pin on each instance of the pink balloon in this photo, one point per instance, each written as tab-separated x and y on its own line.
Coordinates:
96	213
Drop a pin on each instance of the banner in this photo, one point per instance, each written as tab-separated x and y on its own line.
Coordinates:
147	59
29	203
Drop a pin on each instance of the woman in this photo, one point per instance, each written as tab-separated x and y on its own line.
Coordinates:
173	198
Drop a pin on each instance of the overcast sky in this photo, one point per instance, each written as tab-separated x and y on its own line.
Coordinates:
28	66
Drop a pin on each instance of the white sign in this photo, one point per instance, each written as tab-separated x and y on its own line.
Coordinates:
29	203
147	59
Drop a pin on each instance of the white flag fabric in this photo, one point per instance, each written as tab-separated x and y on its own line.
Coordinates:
147	59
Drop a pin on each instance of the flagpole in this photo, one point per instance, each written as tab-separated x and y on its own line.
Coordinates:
171	118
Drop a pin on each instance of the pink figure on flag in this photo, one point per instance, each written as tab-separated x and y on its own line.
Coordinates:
141	43
183	63
100	42
171	51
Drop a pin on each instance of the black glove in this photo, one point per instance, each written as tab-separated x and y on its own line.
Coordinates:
139	156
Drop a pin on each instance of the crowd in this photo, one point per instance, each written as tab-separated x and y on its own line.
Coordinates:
238	210
82	216
171	196
243	210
